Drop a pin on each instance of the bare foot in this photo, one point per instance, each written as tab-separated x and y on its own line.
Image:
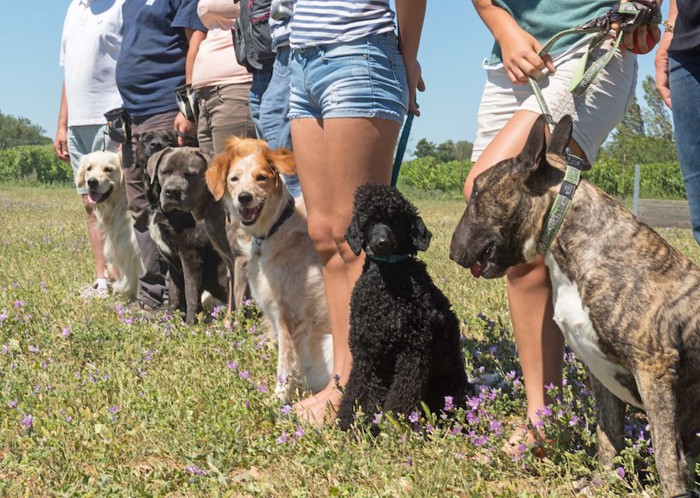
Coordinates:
522	439
321	407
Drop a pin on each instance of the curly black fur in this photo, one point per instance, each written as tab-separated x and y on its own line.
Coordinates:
404	336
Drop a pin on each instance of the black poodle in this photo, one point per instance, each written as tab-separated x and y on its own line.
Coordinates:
404	336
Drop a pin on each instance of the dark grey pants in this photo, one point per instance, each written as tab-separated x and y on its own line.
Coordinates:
152	286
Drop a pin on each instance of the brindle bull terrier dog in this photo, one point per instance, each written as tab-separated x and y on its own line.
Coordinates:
626	301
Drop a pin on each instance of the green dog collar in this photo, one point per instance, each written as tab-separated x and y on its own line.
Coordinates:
572	177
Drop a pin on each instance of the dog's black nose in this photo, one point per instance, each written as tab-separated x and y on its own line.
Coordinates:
382	244
172	193
245	198
155	146
92	183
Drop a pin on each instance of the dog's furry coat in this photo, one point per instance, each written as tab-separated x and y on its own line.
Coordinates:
625	299
284	271
404	336
103	175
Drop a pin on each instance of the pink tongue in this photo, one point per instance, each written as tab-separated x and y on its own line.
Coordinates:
476	270
93	198
247	214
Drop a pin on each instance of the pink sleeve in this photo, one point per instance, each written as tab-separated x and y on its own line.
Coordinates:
218	13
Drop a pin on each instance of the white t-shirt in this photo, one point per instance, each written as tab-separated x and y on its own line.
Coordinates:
89	49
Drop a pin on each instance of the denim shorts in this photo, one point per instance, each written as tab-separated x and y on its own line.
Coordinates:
364	78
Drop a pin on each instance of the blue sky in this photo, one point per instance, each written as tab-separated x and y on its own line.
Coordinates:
453	45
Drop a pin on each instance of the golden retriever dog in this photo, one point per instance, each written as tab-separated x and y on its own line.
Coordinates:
102	173
284	271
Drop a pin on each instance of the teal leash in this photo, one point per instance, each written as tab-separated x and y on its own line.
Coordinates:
401	148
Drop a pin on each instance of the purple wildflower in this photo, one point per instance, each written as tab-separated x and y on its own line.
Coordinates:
27	421
18	304
299	433
244	374
33	349
68	419
262	388
233	365
3	317
413	417
620	472
449	403
377	418
195	471
283	438
113	409
286	409
574	421
66	331
11	404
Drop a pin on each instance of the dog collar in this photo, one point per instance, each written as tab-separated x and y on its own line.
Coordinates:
394	258
572	177
288	211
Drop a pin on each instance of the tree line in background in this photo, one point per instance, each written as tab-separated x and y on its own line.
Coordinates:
644	137
16	131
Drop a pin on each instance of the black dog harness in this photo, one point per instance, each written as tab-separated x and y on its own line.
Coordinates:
286	214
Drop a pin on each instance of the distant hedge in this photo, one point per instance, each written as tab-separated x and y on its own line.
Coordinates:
34	163
658	181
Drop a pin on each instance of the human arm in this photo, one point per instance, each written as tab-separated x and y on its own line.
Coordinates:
218	14
410	15
182	124
519	49
661	59
60	144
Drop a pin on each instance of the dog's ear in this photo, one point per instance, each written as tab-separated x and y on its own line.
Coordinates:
420	235
80	181
204	156
531	164
216	174
154	163
232	143
354	236
283	160
561	136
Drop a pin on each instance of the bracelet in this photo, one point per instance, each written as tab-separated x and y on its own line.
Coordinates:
668	26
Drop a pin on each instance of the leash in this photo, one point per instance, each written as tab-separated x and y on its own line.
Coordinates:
401	148
562	202
629	15
286	214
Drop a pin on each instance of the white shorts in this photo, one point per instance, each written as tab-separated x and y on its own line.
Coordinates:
595	113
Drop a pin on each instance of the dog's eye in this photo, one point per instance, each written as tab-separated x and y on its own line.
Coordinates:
475	192
261	178
109	170
233	179
188	175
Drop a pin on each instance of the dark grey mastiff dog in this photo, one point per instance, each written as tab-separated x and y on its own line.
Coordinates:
626	301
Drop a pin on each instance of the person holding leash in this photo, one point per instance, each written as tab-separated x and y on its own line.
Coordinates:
508	110
89	49
352	79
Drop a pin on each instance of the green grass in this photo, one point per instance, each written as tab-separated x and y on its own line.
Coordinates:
126	408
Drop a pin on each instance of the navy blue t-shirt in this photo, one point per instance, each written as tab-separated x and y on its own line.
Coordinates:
151	62
686	32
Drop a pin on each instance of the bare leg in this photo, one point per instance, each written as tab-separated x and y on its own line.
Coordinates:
537	337
97	239
334	157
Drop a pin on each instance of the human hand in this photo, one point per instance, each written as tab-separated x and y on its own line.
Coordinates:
415	81
60	144
520	51
184	126
662	70
641	40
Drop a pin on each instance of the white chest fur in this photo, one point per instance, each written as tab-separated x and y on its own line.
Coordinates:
576	325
